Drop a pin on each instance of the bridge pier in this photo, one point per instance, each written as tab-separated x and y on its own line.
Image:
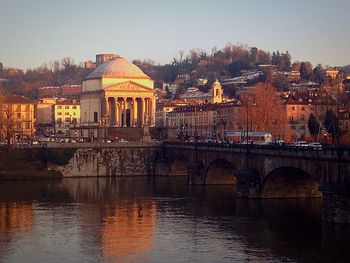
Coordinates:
336	203
248	183
196	173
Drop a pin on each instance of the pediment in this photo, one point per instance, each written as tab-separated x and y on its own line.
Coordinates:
126	86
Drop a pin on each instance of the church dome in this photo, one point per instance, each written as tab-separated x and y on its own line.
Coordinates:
118	67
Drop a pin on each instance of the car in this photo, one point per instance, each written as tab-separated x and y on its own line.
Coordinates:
315	145
280	142
302	144
260	143
35	143
245	142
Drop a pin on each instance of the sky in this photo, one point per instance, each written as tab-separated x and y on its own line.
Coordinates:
41	31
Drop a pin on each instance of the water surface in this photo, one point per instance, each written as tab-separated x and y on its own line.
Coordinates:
159	220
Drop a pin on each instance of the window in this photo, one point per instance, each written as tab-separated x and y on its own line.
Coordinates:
59	120
66	107
302	117
66	113
27	107
302	127
27	125
302	108
74	107
59	113
18	107
18	115
27	116
95	116
73	113
67	119
293	108
59	107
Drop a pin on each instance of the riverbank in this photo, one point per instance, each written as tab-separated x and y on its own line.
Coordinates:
24	165
29	176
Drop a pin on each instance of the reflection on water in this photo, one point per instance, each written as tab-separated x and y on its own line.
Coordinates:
159	220
128	229
16	215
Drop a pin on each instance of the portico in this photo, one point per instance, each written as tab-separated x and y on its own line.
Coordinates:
128	111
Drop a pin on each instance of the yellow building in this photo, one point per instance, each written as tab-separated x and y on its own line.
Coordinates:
18	118
117	94
66	116
332	73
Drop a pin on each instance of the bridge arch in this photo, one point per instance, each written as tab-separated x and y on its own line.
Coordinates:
220	171
289	182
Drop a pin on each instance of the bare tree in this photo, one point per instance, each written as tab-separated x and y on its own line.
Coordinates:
265	111
7	120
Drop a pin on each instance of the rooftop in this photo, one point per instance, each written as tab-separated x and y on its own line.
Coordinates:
118	67
17	99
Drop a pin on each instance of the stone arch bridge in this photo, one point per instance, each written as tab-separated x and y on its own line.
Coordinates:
255	171
266	172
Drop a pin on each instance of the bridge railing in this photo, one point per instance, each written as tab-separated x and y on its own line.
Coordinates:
324	152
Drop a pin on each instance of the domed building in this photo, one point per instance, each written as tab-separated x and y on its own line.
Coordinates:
117	94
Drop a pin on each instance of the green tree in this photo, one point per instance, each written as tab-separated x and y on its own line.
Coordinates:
314	126
1	70
319	74
282	60
306	70
332	125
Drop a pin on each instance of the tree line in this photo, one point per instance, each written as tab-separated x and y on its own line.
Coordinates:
56	73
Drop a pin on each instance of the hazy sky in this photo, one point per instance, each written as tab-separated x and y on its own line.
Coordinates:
34	32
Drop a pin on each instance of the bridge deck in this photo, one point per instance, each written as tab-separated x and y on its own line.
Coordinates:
288	151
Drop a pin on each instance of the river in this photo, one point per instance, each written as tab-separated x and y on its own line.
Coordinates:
159	220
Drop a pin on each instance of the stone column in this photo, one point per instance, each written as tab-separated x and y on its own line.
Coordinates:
143	111
117	119
134	112
153	112
124	111
120	112
148	103
107	112
113	112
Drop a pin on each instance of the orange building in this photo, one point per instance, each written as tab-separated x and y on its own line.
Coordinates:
18	118
70	90
298	114
344	121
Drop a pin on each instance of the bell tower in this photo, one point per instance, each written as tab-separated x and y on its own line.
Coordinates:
217	92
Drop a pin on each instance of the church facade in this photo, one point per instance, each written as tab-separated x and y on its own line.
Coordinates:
117	94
